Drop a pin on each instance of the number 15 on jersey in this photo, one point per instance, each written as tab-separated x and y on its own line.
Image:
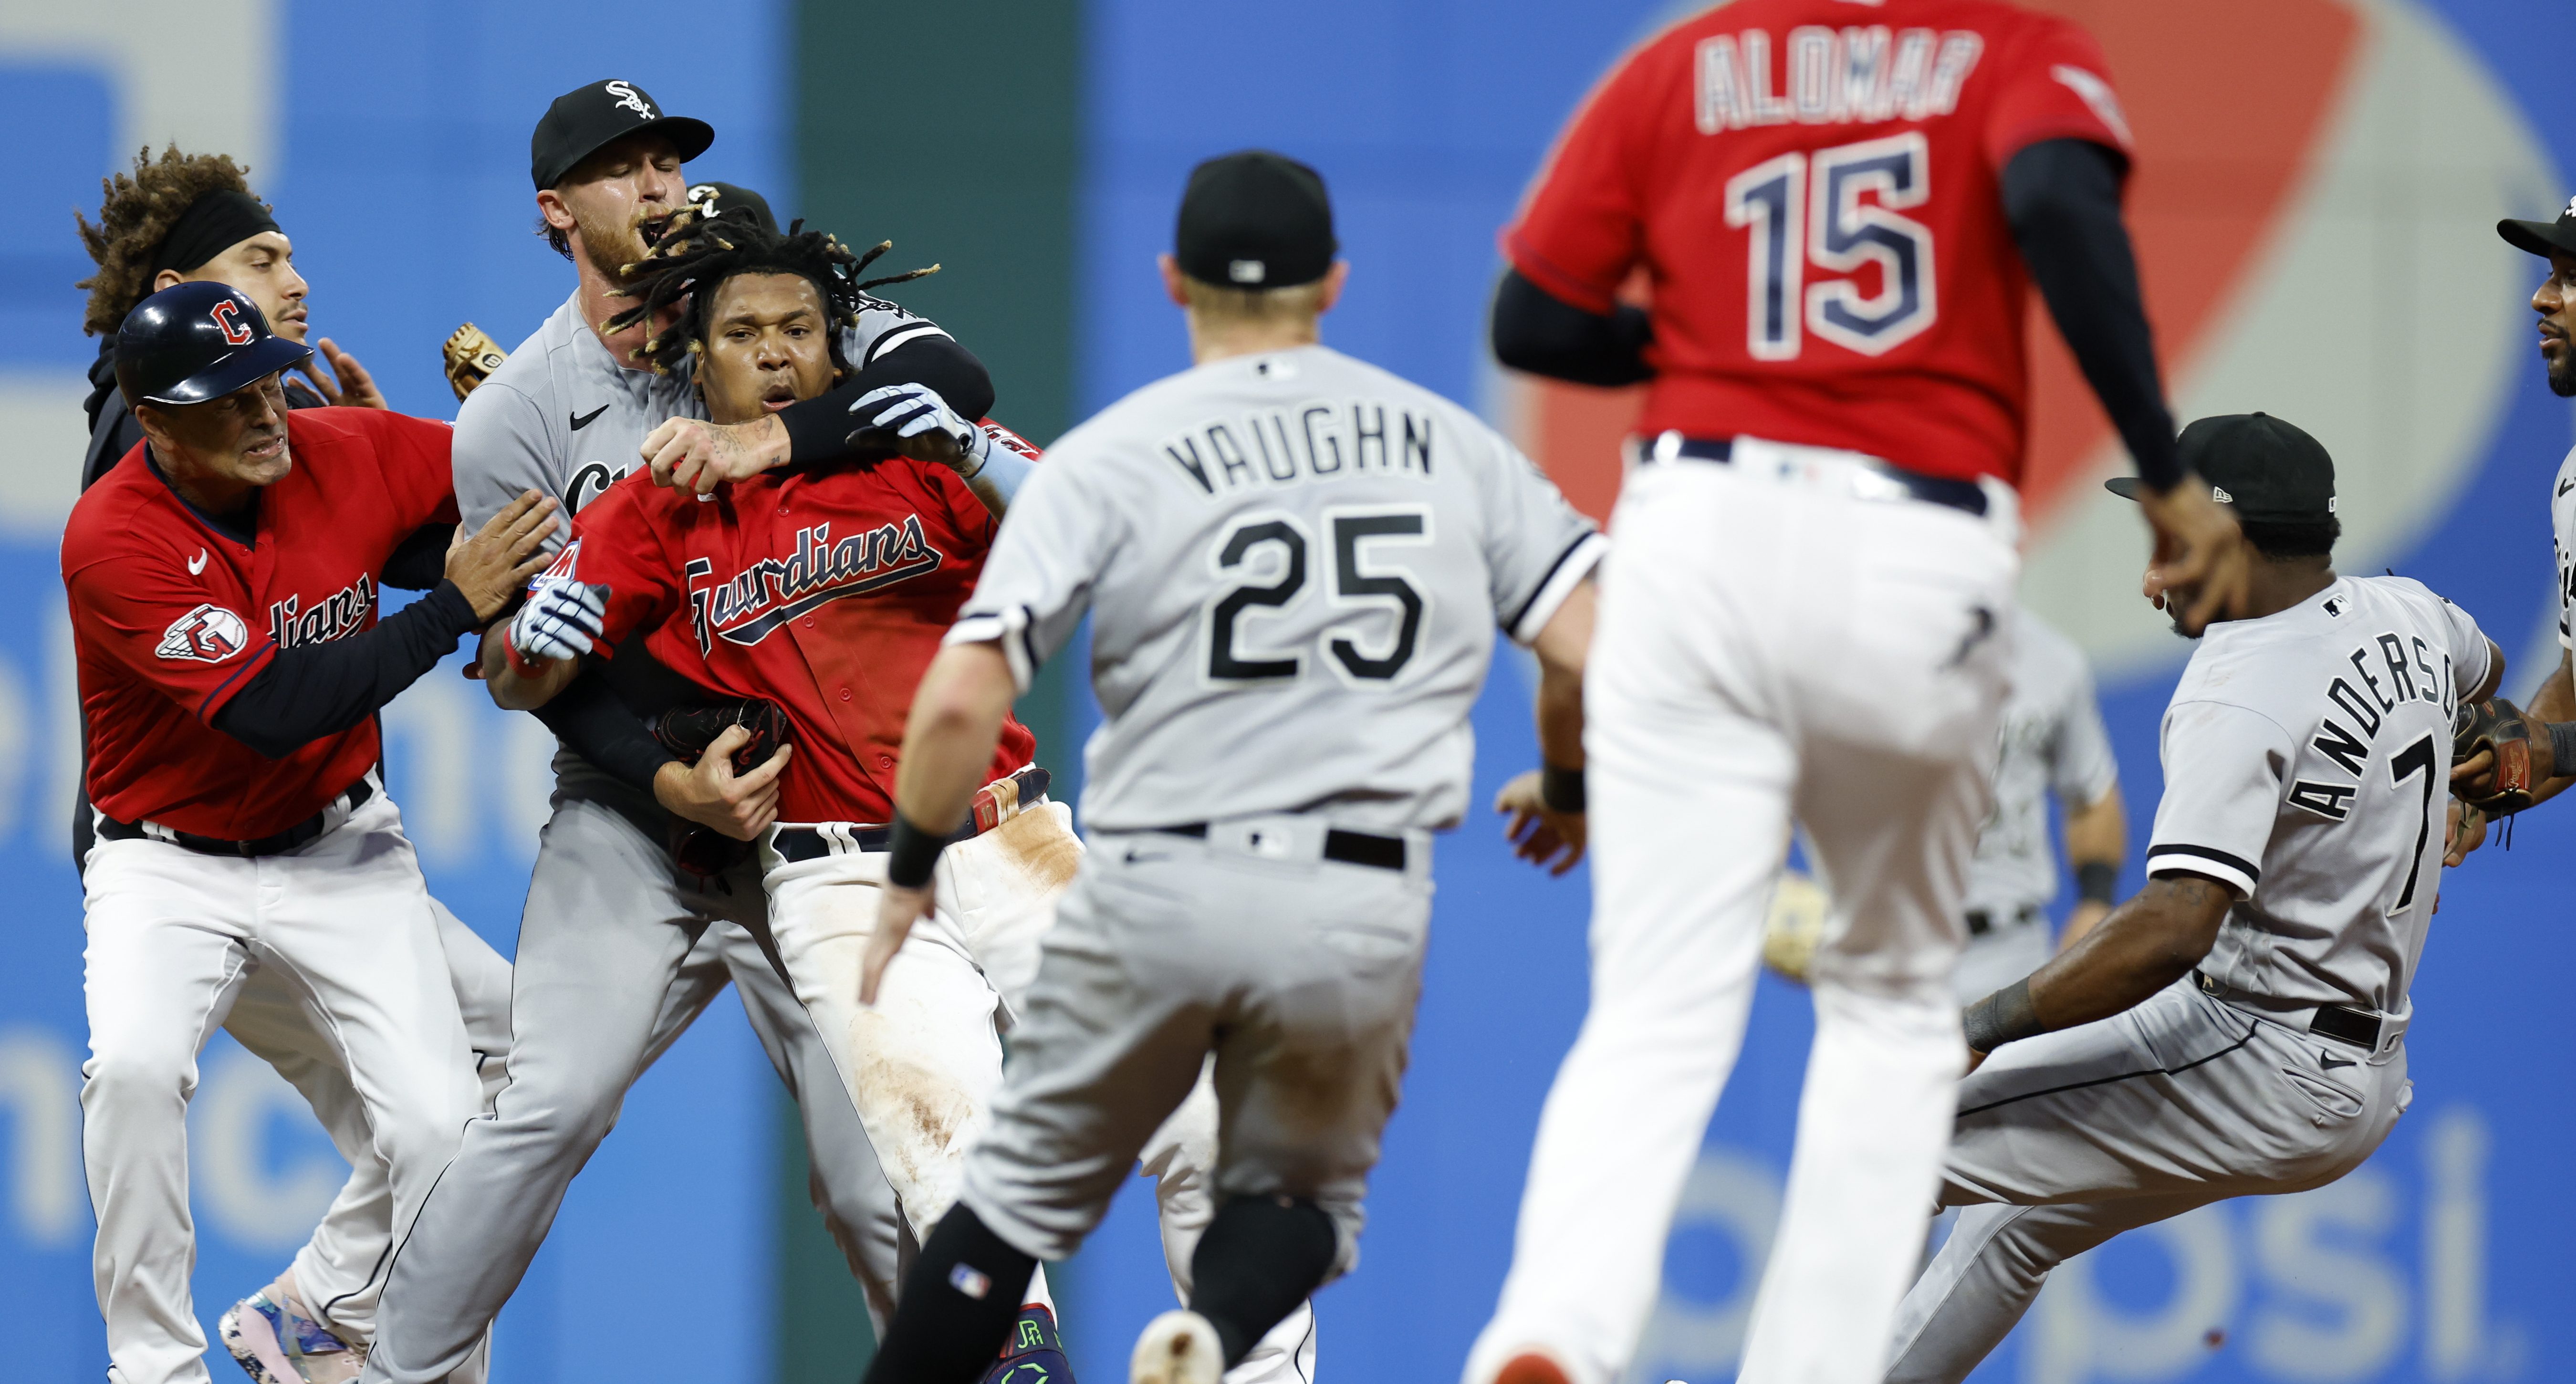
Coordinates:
1807	209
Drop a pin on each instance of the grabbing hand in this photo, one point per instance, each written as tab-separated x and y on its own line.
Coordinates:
2201	556
897	909
491	565
1539	833
692	454
353	387
562	619
911	419
710	794
2464	829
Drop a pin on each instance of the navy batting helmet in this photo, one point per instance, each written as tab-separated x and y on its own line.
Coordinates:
197	341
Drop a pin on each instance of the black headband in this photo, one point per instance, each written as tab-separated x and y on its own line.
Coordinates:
211	225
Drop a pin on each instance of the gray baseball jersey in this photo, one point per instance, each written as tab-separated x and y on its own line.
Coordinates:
563	418
2307	755
1295	563
2562	538
2052	742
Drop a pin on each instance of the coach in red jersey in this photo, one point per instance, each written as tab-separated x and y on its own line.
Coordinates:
1837	210
223	580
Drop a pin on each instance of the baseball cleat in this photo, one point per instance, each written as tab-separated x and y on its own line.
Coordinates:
1531	1367
1178	1347
277	1345
1035	1354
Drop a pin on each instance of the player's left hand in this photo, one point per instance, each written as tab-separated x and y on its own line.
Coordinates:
2464	830
348	384
897	909
2201	557
1538	833
696	455
911	419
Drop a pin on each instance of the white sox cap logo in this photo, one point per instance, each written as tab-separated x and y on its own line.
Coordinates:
630	98
208	634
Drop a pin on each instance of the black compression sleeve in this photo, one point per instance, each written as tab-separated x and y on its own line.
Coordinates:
1538	332
323	689
820	427
593	722
420	561
2062	197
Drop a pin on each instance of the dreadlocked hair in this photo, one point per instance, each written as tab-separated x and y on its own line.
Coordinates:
136	211
697	253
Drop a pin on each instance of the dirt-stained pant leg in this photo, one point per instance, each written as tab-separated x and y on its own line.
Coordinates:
1309	967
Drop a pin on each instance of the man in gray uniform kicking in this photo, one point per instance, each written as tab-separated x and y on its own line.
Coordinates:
2236	1028
1295	564
617	947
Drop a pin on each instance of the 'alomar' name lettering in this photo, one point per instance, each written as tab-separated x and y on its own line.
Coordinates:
1315	441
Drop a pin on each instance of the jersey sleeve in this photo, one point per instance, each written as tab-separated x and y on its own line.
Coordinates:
172	630
2223	771
615	543
2081	767
1038	581
2055	85
418	455
501	452
1582	225
2471	652
882	326
1537	548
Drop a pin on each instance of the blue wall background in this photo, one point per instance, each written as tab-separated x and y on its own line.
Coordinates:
399	132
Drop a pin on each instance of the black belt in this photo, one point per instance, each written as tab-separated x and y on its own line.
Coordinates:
1981	922
1347	847
805	843
2341	1022
110	829
1937	490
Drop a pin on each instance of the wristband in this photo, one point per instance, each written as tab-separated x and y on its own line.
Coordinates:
1561	789
2562	749
2006	1016
2094	881
520	663
911	854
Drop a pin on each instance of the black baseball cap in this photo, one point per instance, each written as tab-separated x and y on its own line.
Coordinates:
1255	219
2541	237
2265	469
587	119
196	341
730	199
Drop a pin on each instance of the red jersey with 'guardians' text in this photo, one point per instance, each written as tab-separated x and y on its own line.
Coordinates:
1813	188
824	588
171	616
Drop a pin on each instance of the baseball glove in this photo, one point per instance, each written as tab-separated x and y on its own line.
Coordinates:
686	732
2496	728
471	358
1794	927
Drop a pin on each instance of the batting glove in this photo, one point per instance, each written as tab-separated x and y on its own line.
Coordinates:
562	619
910	410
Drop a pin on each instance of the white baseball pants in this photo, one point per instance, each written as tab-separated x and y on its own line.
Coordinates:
1781	638
923	1064
345	923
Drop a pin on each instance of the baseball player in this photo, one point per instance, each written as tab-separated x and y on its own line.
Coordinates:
1839	208
2237	1028
241	826
619	948
191	218
1294	564
2542	740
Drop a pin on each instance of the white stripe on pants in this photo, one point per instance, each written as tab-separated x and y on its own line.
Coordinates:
1771	648
345	922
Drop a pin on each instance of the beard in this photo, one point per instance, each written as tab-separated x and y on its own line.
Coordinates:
2562	374
610	245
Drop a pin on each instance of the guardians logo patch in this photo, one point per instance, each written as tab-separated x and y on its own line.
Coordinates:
747	607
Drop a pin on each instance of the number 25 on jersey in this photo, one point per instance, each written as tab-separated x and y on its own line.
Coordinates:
1806	209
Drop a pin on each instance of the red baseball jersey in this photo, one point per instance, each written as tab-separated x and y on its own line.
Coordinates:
1812	188
825	589
171	616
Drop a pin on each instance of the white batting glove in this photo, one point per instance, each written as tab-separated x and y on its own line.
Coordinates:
911	410
562	619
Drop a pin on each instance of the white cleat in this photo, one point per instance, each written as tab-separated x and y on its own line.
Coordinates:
1178	1347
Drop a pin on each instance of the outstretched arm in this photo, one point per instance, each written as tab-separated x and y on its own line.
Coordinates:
956	719
2145	945
1546	805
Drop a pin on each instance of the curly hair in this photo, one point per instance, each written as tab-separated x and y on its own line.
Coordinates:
697	253
135	214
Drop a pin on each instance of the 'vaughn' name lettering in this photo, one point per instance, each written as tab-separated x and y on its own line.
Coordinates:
1307	442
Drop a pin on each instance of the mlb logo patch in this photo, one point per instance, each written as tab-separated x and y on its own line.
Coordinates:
208	634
